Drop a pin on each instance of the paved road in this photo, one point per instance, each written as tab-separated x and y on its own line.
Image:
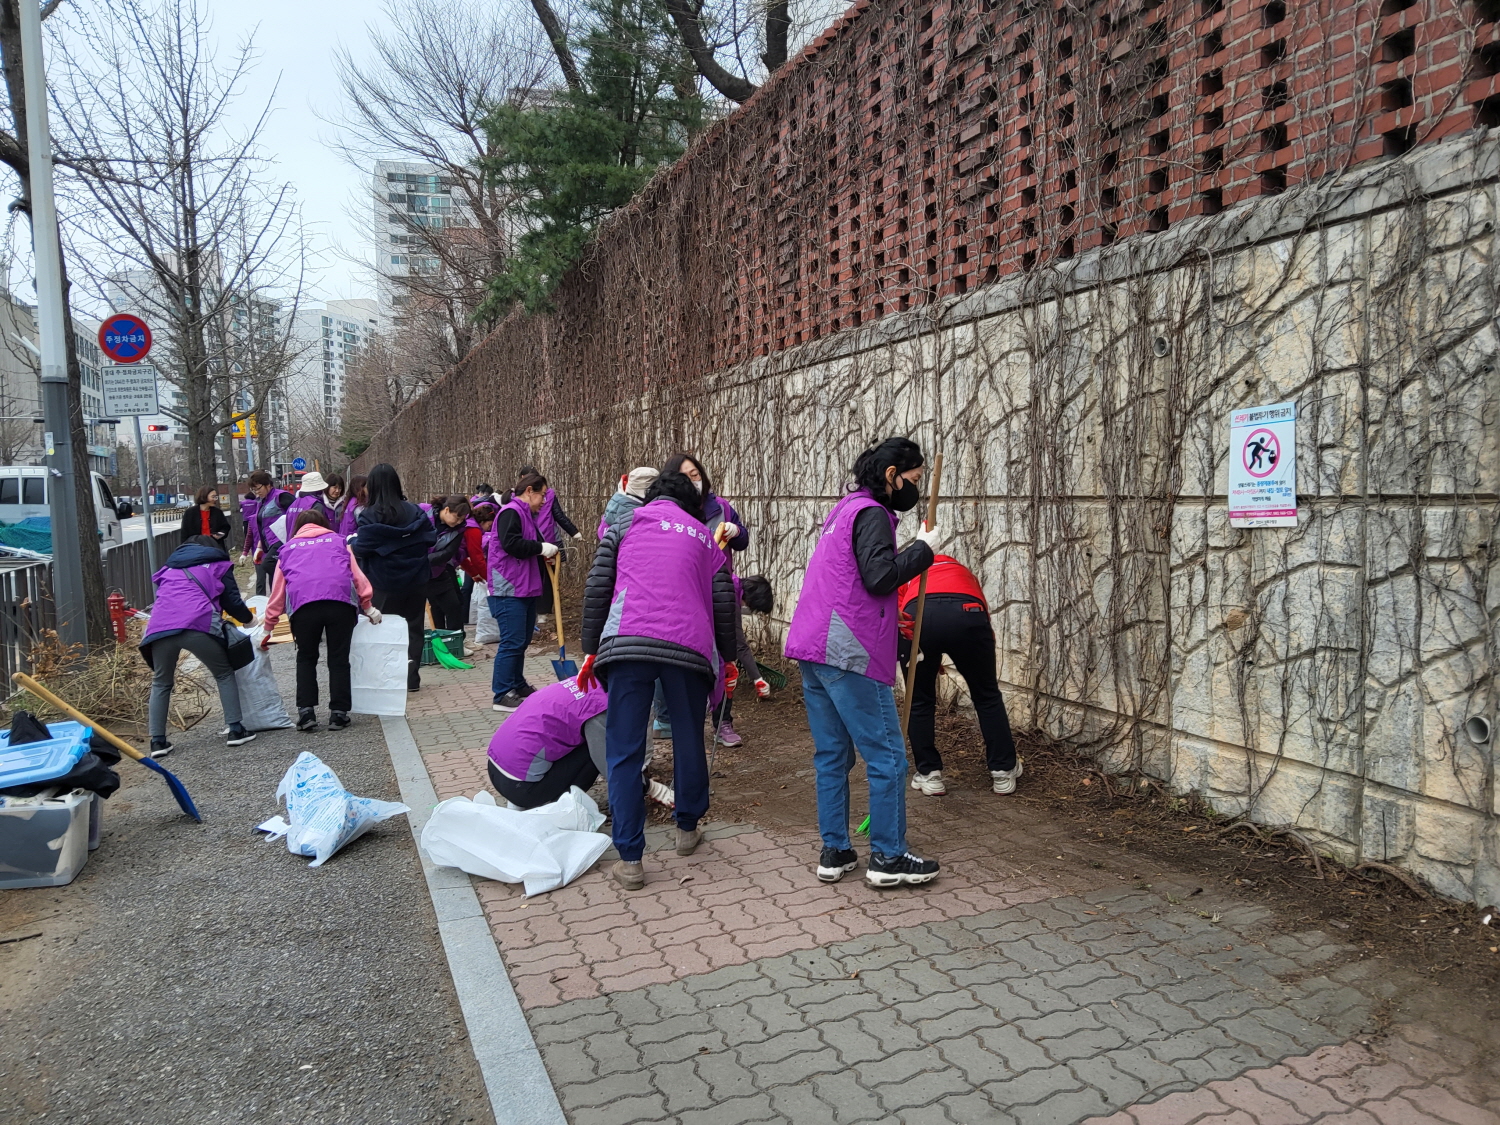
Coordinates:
194	973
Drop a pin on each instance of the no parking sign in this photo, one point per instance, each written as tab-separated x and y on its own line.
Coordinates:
1263	466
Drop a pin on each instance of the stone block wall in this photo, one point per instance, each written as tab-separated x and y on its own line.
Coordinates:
1320	676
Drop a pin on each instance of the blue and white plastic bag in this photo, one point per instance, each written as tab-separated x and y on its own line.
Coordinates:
323	815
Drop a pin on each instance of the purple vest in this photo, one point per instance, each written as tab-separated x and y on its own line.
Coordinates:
317	570
348	517
837	621
267	521
546	522
247	514
664	580
547	725
182	603
512	577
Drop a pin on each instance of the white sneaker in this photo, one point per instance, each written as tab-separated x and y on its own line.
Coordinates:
1005	780
929	784
662	794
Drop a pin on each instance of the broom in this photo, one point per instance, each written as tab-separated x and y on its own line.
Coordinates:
916	631
179	790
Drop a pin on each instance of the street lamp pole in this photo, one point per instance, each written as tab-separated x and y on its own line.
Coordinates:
67	562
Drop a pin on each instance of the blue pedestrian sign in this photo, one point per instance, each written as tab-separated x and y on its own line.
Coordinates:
299	464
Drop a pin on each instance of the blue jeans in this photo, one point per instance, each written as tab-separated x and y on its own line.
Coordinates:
847	711
517	620
632	683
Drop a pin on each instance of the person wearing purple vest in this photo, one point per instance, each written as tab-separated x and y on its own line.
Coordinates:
449	552
658	605
346	512
514	551
193	586
319	584
248	504
262	542
844	636
553	741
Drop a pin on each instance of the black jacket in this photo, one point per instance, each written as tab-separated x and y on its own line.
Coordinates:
394	555
508	531
192	523
599	595
446	545
560	517
880	569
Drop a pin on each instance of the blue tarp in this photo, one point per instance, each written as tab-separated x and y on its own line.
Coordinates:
32	534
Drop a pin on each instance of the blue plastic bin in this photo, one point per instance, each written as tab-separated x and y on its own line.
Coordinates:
42	761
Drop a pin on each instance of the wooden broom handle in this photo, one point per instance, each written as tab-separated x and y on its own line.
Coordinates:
916	630
77	716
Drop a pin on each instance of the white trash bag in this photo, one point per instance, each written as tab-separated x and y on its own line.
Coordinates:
478	600
324	816
543	848
486	628
377	666
261	707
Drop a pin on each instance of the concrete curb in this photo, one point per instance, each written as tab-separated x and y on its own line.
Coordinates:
520	1090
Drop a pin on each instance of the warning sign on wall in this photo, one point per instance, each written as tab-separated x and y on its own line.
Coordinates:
1263	466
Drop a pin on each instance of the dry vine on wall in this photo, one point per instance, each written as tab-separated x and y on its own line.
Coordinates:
1012	233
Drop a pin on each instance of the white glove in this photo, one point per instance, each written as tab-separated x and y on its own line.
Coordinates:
728	531
577	535
373	615
548	549
934	537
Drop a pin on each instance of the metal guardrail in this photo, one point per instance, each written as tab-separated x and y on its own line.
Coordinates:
26	605
26	608
127	566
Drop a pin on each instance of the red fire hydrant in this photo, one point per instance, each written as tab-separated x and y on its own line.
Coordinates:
117	615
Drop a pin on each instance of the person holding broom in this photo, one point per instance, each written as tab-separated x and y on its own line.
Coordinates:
843	636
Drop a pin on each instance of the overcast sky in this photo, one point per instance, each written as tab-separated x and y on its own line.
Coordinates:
295	40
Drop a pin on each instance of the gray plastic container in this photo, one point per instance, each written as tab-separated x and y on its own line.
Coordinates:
44	843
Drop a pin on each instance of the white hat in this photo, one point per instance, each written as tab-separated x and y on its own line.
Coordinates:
312	482
641	479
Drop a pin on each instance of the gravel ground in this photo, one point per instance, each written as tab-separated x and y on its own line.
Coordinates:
195	973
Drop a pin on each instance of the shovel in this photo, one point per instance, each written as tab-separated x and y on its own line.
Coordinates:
178	789
562	667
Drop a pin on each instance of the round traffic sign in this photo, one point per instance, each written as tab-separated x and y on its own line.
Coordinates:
299	464
125	338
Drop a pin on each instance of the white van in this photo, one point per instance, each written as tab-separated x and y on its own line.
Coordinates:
23	493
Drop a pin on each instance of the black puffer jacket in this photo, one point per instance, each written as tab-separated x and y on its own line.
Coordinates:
599	595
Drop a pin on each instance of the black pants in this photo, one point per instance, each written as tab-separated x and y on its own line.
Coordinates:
265	574
575	767
310	624
411	604
447	606
960	627
465	599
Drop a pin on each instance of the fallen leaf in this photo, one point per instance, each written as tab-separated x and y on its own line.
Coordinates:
684	879
1191	828
1091	912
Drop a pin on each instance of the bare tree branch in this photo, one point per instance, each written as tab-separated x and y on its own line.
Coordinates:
732	86
558	37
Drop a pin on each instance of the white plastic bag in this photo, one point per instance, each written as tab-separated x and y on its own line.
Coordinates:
261	707
377	666
478	601
543	848
486	628
323	815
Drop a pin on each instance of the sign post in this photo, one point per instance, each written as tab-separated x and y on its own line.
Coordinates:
130	388
57	403
1263	466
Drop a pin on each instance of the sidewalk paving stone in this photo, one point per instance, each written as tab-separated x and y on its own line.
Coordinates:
736	988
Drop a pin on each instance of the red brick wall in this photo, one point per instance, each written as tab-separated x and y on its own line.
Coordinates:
918	150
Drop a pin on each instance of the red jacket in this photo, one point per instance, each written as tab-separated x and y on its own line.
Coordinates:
946	576
473	564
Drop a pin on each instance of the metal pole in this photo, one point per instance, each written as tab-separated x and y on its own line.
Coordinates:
67	562
140	471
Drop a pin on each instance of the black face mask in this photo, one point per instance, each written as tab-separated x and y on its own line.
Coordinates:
905	498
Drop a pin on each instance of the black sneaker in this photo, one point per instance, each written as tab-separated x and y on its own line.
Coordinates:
338	720
307	719
892	871
160	747
833	864
237	735
525	691
507	702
